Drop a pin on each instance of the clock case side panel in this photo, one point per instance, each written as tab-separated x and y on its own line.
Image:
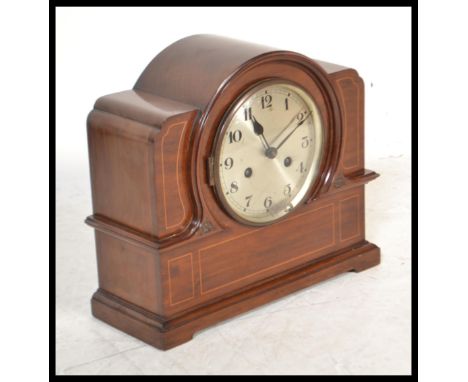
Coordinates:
139	149
139	146
349	87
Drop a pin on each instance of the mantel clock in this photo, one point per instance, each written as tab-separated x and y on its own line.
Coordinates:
232	174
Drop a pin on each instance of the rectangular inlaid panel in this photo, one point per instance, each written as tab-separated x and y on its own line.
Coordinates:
350	220
170	163
222	265
350	91
174	208
181	281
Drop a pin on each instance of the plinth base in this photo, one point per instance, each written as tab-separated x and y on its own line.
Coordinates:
165	333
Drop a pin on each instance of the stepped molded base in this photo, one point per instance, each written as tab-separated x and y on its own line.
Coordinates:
165	333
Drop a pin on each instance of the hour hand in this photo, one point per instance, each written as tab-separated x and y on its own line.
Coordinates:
258	129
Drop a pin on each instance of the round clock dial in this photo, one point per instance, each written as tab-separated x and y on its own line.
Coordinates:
268	152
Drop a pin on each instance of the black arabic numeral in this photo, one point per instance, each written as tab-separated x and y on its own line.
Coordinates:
266	101
234	187
228	163
248	198
248	114
235	136
268	202
302	168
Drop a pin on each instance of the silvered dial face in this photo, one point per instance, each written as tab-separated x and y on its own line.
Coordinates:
268	152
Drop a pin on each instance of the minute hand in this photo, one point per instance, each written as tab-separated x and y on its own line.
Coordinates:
291	133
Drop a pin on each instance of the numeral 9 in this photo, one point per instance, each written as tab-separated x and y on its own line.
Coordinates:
228	163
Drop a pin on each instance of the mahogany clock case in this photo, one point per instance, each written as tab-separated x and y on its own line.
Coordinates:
170	259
